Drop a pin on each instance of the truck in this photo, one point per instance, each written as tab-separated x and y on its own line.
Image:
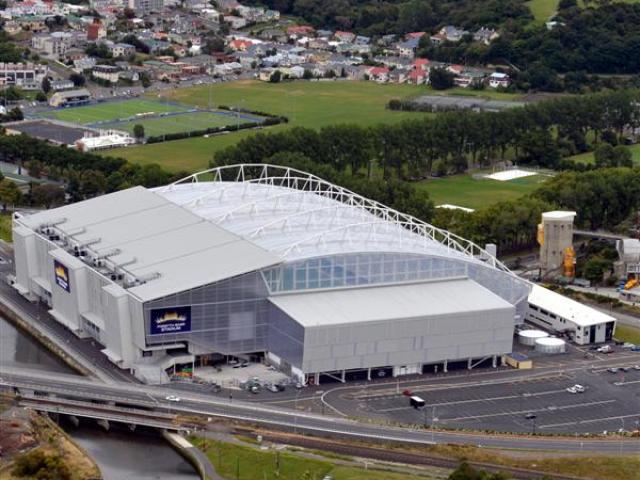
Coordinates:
416	402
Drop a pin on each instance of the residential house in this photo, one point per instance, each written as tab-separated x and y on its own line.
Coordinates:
418	76
497	79
485	35
235	22
408	48
345	37
60	85
449	33
379	74
121	50
108	73
298	31
240	45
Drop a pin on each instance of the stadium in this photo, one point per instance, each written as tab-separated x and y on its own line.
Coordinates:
271	264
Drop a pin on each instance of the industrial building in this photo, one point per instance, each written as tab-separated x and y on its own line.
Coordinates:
557	313
555	236
266	263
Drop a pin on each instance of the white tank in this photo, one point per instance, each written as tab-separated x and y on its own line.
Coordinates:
529	337
551	345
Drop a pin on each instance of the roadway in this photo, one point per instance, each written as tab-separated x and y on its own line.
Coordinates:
70	386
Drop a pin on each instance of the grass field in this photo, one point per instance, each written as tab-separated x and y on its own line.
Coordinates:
105	111
307	104
5	227
465	191
588	158
248	463
627	333
183	122
542	9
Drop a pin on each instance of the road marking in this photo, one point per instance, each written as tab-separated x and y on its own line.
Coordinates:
591	420
553	407
489	399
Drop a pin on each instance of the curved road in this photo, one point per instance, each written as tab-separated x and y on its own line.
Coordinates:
192	403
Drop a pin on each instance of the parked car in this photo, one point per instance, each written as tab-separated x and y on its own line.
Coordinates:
172	398
254	389
273	388
612	370
605	349
636	367
628	345
625	369
530	416
576	389
636	348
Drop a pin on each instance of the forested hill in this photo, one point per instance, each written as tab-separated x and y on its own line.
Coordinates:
603	39
381	17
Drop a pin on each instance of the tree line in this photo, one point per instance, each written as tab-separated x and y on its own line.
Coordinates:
540	134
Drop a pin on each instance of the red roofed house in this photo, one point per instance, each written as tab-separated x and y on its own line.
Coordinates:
411	35
421	64
418	77
346	37
379	74
239	45
300	30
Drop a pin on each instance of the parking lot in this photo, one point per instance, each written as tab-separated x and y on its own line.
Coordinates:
611	401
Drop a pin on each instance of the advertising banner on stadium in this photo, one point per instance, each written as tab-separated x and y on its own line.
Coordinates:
62	275
170	320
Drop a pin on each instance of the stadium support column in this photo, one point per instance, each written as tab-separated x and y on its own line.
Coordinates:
343	378
316	378
369	374
444	366
494	361
469	364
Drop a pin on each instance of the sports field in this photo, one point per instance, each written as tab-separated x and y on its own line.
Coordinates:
105	111
181	122
465	191
307	104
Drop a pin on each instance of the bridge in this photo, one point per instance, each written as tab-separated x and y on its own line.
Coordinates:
134	404
600	234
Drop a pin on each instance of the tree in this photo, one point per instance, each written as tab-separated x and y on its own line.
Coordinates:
441	79
594	269
46	85
47	195
35	168
41	97
275	77
138	131
9	194
78	79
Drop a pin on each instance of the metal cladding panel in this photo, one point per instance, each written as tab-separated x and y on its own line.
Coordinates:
430	339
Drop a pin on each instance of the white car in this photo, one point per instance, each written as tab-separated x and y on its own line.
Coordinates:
576	389
172	398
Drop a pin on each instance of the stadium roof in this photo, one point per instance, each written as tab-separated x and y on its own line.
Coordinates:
240	219
296	215
379	303
146	237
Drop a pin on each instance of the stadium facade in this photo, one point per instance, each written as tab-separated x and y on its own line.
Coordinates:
261	261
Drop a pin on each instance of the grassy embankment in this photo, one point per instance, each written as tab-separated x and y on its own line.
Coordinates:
251	463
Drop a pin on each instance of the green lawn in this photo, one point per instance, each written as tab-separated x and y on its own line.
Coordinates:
543	9
248	463
111	111
465	191
627	333
588	158
5	227
307	104
184	122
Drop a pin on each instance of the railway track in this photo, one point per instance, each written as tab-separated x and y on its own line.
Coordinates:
397	456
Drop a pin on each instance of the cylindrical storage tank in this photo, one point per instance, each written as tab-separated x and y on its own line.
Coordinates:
551	345
529	337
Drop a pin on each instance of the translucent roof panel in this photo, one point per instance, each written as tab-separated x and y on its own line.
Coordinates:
295	215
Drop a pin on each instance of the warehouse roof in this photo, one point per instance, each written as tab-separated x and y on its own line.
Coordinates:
403	301
580	314
144	236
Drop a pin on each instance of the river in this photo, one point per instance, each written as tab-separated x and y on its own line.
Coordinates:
119	453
